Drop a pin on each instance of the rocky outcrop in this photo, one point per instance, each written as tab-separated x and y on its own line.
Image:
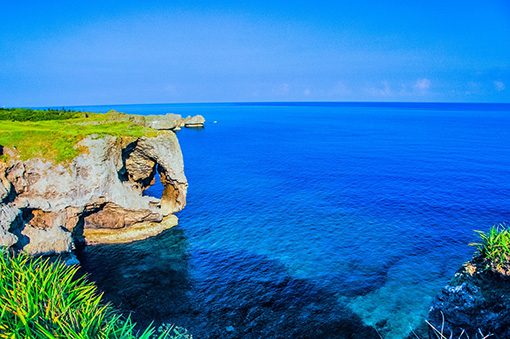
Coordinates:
138	120
476	301
195	122
97	197
9	217
167	121
174	122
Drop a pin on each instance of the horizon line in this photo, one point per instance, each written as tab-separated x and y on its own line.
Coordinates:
288	103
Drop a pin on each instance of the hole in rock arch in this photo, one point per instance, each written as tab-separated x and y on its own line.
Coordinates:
156	189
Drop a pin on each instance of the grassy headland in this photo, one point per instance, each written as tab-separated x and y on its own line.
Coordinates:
53	134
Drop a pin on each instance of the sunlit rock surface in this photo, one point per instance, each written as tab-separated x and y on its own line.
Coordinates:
196	122
97	197
174	122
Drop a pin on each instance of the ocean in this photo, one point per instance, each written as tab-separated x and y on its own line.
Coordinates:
314	220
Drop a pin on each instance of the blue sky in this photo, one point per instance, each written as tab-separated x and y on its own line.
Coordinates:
121	52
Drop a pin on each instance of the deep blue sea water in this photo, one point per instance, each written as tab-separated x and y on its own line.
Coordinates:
315	220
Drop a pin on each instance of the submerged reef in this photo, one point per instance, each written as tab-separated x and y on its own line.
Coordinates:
49	202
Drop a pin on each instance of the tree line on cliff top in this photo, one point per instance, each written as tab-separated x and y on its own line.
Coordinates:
27	114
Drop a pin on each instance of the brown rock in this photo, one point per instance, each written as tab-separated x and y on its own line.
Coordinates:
140	167
99	189
137	231
174	195
114	216
41	219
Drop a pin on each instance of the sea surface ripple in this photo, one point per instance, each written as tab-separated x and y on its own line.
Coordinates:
314	220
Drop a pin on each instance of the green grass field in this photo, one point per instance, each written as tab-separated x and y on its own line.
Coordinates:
54	136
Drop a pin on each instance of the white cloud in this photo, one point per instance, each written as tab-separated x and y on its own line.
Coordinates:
341	89
500	86
422	86
473	88
419	87
307	92
380	92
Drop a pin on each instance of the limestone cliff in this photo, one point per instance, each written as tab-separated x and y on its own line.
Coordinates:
97	197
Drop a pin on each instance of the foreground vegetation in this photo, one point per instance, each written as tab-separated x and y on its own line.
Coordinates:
494	247
492	256
53	134
44	300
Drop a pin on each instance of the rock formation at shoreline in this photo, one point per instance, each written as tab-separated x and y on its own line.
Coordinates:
174	121
96	197
195	122
476	301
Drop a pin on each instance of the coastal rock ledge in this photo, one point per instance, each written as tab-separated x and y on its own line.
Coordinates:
97	197
475	304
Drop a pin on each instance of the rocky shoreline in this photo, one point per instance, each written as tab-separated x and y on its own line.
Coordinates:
476	303
97	197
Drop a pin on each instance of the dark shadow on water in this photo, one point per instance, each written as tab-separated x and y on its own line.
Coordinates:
137	276
216	294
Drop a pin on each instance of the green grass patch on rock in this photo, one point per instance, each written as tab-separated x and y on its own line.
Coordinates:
54	135
45	300
494	248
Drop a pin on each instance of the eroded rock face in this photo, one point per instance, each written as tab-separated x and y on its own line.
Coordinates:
174	122
167	121
196	122
9	217
113	216
44	206
476	301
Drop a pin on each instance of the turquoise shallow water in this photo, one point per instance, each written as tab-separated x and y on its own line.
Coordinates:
315	220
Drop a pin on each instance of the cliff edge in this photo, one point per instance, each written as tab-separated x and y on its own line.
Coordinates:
96	197
476	302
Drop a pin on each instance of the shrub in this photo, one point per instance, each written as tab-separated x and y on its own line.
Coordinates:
494	246
41	299
26	114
